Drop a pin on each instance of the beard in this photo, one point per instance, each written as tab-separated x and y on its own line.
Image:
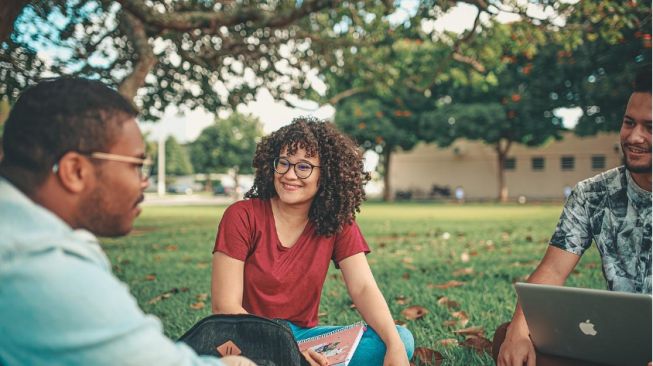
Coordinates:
98	215
635	168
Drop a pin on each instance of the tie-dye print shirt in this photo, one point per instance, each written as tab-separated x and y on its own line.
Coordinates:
615	212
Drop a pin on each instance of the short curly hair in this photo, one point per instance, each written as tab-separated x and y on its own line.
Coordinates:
342	174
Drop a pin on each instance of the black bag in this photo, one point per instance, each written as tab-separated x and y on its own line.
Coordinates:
265	341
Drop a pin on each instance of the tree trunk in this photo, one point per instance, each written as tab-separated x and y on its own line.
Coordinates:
134	29
9	11
387	192
502	152
236	193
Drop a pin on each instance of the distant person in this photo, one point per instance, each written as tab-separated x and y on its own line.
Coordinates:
74	167
460	194
273	250
613	209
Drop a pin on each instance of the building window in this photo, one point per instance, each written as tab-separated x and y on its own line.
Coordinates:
598	162
567	163
510	164
537	163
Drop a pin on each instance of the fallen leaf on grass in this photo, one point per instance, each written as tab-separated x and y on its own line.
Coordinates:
405	276
401	300
463	271
202	265
414	312
477	343
471	331
464	257
167	294
444	286
407	260
428	357
202	297
198	305
319	315
450	323
448	342
150	277
400	322
172	248
448	303
352	306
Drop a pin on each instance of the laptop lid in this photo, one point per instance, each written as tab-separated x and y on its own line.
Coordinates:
594	325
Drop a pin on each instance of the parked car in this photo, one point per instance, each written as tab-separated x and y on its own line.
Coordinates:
180	189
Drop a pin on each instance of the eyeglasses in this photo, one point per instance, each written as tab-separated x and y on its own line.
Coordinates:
302	169
144	164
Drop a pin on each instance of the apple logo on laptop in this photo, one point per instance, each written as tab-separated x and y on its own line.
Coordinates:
587	328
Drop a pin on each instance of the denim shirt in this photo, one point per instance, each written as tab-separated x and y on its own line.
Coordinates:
61	305
615	212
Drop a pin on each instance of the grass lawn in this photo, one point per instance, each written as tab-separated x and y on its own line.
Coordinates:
415	247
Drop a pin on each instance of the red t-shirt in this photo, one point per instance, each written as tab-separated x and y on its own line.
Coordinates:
282	282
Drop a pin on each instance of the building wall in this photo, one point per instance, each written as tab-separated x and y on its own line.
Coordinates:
473	166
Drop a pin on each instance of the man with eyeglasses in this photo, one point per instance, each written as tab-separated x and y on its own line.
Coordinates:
74	167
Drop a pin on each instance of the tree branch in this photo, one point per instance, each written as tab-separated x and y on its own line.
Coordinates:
9	11
345	94
145	59
212	21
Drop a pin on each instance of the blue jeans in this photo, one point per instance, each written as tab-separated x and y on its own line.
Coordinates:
370	350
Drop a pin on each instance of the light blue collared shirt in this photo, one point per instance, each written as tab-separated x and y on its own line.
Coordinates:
61	305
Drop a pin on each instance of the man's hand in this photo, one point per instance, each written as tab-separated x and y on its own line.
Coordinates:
517	349
314	358
396	356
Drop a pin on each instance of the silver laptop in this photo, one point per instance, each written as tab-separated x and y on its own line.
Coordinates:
602	326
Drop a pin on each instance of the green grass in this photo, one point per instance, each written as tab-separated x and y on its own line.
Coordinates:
171	249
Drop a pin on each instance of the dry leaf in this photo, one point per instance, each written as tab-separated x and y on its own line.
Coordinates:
172	248
462	317
202	265
202	297
150	277
448	303
414	312
428	357
463	271
400	322
401	300
471	331
450	323
165	295
352	306
405	276
407	260
322	314
443	286
448	342
478	343
464	257
473	253
198	305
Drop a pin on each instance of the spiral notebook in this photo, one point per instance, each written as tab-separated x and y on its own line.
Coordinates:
338	346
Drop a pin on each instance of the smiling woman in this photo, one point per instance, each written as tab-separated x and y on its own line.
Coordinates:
273	250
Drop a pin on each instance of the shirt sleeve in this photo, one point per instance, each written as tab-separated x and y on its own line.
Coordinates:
63	310
573	232
235	232
348	242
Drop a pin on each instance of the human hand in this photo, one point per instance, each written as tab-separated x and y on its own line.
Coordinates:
236	361
396	356
516	350
314	358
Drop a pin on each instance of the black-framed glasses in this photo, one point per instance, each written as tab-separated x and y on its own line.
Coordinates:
144	164
302	169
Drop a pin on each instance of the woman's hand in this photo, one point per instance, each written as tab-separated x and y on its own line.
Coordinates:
314	358
396	356
236	361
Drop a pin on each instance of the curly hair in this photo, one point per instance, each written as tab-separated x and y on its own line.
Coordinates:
342	176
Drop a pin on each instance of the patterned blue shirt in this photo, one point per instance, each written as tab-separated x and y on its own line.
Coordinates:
615	212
